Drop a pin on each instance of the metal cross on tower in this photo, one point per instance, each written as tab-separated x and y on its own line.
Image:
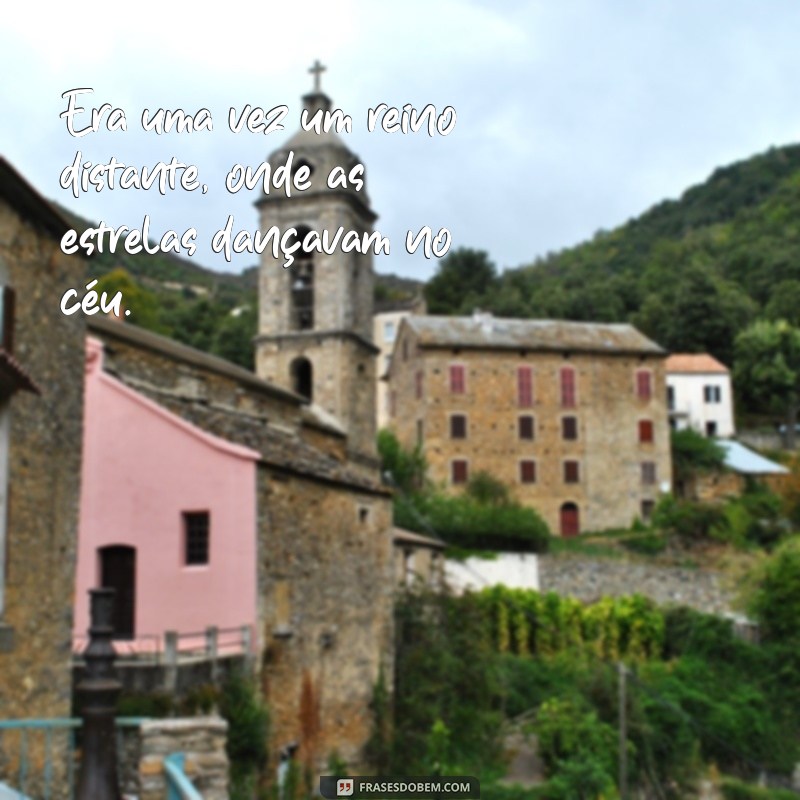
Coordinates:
316	71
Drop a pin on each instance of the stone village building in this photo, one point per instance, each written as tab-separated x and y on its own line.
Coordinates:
321	519
41	363
572	416
323	569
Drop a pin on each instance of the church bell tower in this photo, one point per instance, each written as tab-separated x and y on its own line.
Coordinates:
315	316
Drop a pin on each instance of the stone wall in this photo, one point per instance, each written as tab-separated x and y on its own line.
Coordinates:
44	450
589	580
200	739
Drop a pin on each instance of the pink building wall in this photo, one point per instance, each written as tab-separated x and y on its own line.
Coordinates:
142	468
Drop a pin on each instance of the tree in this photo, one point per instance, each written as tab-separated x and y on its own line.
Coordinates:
465	277
767	369
775	597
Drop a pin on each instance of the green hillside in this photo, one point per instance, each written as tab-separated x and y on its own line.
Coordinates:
691	273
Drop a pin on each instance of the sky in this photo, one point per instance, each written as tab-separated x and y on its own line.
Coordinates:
572	116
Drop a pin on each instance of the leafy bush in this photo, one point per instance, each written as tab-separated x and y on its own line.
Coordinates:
571	735
693	453
687	519
248	730
775	595
405	468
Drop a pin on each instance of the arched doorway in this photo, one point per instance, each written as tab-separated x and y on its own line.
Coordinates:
301	372
570	520
118	572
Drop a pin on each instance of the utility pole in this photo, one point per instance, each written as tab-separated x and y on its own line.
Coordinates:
623	734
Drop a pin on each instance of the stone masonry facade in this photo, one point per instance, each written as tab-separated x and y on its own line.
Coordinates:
43	452
602	447
324	542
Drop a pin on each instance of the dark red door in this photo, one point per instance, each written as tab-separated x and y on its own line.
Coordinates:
570	520
118	572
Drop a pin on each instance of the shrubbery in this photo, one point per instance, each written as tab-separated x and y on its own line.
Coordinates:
485	516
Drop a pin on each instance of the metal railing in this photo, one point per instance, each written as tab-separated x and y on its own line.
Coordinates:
27	729
174	647
179	787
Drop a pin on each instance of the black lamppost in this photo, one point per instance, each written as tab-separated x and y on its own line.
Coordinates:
98	692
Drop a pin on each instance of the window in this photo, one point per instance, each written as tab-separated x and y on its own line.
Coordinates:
648	473
389	331
567	376
459	471
644	384
526	427
645	431
457	379
7	304
525	387
671	398
527	471
302	376
711	428
712	394
420	377
458	426
571	472
648	507
196	534
569	428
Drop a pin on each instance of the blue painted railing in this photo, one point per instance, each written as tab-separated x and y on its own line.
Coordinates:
179	787
49	728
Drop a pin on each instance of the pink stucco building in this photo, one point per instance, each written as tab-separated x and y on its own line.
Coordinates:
167	517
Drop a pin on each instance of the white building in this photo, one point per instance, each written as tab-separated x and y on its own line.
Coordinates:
385	325
699	394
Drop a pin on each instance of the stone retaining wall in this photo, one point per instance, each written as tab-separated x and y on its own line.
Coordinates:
588	580
202	742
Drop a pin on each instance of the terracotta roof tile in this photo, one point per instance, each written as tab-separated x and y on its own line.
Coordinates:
695	362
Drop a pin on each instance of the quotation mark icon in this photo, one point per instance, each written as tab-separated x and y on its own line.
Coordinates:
344	787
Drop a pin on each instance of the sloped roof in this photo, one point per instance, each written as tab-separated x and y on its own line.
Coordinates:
29	203
695	363
747	462
402	536
485	331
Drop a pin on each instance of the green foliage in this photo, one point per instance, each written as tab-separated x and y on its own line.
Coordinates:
775	595
767	370
648	544
463	521
693	453
566	732
524	622
461	283
445	681
487	490
687	519
737	790
248	730
378	750
483	517
406	468
145	704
